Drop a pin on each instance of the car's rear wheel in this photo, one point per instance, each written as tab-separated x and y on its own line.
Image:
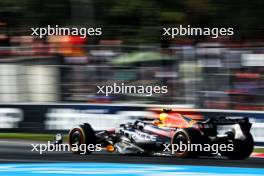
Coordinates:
241	148
80	137
185	137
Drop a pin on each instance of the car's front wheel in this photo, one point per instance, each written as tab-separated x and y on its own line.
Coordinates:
80	137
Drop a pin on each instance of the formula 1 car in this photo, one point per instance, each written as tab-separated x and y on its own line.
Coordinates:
150	137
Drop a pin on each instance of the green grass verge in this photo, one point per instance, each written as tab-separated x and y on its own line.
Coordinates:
259	150
29	136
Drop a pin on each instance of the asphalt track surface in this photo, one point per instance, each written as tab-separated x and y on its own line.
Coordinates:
20	152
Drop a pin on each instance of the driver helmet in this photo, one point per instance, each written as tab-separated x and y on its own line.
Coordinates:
164	114
166	110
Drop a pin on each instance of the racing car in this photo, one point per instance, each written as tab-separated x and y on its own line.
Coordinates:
150	137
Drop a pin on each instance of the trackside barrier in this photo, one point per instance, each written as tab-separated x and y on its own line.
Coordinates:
56	117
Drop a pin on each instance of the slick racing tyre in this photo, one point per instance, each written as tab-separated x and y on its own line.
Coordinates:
241	148
185	137
80	137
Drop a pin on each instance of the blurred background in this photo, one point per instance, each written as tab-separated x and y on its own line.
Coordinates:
49	85
200	72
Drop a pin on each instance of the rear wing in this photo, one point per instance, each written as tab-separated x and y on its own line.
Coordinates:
227	120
